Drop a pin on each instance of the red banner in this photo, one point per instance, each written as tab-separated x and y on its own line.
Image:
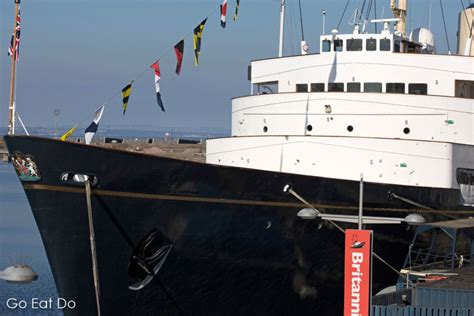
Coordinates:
358	272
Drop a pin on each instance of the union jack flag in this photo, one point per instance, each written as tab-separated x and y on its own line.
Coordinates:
17	45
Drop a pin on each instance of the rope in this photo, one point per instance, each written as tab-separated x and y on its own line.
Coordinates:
375	15
343	13
401	198
343	231
301	21
166	52
444	24
369	8
362	9
95	270
289	23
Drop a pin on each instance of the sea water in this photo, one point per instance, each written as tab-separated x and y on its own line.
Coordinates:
20	242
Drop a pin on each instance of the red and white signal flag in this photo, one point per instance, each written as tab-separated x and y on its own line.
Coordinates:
223	13
156	67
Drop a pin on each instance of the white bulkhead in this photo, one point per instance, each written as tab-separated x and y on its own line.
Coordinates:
371	104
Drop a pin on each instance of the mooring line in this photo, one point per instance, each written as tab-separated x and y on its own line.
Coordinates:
95	270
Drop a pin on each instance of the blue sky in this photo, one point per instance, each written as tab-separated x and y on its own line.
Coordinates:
77	54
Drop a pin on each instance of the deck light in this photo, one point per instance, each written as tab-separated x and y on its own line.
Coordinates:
414	219
307	213
287	188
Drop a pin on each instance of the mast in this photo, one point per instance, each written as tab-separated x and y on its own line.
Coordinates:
11	109
282	22
399	9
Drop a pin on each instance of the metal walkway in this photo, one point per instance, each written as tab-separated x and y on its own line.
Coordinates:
419	311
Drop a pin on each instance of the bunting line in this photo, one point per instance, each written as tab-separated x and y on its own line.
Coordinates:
179	52
126	91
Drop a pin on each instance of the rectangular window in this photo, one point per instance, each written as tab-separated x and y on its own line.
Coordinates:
265	87
465	178
464	89
385	44
326	45
317	87
354	44
371	44
372	87
418	88
396	46
353	87
302	87
395	87
336	87
338	45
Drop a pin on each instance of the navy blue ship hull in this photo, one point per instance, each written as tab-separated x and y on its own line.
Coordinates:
237	246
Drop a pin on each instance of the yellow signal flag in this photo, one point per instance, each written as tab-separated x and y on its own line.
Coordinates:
68	133
197	40
237	4
126	95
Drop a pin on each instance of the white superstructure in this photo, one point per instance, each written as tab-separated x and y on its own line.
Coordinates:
380	105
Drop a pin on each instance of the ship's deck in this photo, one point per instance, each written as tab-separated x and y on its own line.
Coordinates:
165	148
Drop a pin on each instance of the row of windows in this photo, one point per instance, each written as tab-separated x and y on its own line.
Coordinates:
355	44
390	87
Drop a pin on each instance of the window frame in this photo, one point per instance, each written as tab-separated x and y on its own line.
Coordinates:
336	48
382	48
411	91
335	84
328	47
353	84
300	85
367	46
366	84
314	84
396	91
269	87
397	46
352	41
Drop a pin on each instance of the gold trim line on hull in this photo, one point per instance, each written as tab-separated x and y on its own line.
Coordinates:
150	196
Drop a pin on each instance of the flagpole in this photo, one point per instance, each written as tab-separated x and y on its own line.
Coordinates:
282	27
11	112
14	101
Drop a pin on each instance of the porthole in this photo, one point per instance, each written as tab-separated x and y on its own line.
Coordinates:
147	259
265	129
406	130
309	128
350	128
